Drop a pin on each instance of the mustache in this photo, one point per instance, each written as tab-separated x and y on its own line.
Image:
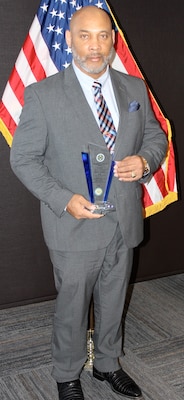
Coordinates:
91	55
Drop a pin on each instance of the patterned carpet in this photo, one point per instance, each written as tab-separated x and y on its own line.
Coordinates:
153	345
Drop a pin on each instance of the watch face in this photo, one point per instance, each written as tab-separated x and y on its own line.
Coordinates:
146	168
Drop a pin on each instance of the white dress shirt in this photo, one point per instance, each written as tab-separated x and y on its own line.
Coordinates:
86	83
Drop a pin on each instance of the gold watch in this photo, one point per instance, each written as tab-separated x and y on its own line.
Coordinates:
146	168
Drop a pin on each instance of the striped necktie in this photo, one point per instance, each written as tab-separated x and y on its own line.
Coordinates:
107	127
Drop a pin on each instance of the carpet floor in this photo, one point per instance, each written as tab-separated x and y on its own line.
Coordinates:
153	346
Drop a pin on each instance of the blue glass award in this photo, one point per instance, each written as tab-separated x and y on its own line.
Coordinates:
98	166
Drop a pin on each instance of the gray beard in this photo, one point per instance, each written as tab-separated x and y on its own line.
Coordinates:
82	62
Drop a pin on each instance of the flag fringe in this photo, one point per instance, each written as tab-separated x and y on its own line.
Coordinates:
155	208
169	132
5	132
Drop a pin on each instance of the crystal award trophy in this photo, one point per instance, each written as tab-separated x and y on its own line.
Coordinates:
98	166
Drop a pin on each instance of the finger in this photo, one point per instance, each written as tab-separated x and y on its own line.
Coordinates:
90	214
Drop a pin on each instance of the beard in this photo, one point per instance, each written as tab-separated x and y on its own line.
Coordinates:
82	61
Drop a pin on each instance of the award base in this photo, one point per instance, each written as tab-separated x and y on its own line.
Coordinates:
103	207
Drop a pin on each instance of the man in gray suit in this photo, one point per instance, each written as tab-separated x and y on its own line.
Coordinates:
91	253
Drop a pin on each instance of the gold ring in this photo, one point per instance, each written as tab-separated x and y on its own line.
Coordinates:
133	175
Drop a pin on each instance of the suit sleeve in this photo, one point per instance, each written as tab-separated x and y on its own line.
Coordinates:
27	156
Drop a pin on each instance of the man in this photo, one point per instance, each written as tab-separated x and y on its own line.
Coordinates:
90	252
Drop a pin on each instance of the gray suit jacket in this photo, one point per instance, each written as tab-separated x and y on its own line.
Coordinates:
55	125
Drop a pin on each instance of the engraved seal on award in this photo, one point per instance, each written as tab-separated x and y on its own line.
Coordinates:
98	166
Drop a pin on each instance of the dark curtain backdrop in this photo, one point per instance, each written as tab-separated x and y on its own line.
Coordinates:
154	31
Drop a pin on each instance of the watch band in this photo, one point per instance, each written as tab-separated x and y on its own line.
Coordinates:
146	168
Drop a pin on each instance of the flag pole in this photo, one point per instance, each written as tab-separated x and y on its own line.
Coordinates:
90	344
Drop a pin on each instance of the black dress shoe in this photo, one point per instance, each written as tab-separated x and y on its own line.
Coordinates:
70	390
120	383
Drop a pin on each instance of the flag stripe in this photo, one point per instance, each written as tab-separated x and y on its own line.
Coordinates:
171	174
159	179
124	54
147	198
7	120
24	69
41	49
117	64
155	194
12	104
17	85
35	65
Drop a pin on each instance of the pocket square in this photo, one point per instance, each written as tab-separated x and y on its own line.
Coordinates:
133	106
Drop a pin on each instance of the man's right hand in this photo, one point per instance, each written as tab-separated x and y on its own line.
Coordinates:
80	208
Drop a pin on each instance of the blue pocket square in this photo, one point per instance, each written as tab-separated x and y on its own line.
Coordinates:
133	106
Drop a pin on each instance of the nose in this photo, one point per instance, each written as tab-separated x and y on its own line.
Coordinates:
94	43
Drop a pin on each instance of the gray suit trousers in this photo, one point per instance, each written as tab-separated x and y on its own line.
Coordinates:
105	273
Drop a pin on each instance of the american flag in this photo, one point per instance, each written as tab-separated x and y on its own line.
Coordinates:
45	52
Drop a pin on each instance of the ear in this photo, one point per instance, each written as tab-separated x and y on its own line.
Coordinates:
68	38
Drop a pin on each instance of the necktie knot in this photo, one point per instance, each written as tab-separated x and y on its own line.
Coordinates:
97	86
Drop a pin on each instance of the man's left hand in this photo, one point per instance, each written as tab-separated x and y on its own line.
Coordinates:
129	169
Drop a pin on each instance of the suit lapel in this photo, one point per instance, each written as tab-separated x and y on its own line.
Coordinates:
85	114
80	106
122	103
